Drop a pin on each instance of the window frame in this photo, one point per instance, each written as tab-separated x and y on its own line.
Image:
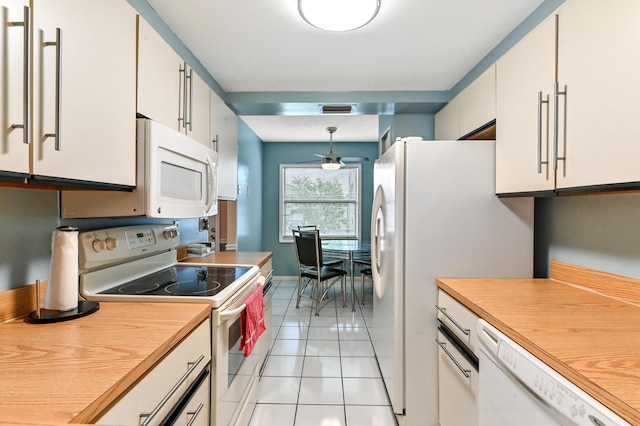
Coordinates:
287	237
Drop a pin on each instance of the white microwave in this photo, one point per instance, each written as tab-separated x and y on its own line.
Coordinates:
176	178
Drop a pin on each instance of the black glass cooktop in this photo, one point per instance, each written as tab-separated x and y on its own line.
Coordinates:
182	280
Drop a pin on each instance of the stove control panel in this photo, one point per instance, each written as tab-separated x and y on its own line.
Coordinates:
104	247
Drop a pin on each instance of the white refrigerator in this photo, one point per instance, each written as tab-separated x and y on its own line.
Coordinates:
435	214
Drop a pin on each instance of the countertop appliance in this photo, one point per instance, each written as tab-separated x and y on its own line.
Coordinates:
176	178
435	214
139	263
518	388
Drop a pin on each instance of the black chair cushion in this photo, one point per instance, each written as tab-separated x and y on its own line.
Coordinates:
326	273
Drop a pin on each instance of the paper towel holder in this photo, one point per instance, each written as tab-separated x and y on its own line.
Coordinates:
45	316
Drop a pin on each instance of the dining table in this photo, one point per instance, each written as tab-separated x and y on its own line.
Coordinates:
350	251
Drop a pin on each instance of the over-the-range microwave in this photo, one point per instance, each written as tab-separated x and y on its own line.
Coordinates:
176	178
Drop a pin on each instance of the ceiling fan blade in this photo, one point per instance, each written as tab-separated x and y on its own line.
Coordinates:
354	159
319	155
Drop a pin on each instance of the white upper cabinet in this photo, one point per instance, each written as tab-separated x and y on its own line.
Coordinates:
599	64
448	121
198	113
14	92
474	107
478	102
84	56
160	78
573	128
169	91
525	79
224	133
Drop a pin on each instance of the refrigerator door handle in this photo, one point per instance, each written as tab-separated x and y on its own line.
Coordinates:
377	232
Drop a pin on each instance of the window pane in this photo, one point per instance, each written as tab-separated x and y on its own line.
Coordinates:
333	219
328	199
317	184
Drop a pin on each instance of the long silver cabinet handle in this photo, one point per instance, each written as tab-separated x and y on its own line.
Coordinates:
149	416
467	373
194	414
556	115
540	102
26	74
184	95
58	45
190	77
466	331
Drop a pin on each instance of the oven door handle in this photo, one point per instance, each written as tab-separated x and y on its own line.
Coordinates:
232	313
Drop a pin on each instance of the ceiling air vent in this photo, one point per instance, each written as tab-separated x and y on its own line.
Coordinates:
337	109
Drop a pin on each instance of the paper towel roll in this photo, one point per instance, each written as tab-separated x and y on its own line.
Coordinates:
62	289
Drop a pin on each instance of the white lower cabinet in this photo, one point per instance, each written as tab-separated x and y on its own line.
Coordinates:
457	386
179	386
457	363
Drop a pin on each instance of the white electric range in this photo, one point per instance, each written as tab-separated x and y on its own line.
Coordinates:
139	264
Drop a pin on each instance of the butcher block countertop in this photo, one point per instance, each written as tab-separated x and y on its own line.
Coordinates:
72	371
258	258
585	324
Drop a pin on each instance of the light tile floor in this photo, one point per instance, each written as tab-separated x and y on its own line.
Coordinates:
321	371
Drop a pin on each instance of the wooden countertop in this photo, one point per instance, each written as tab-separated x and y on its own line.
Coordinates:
592	339
73	371
233	257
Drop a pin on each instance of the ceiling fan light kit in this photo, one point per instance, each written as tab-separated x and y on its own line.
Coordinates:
338	15
332	161
330	164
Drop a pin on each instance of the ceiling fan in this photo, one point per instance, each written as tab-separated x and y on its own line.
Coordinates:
332	161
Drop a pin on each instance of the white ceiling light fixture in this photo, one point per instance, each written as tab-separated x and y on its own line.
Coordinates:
338	15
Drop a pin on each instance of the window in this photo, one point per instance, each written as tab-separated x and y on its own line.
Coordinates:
329	199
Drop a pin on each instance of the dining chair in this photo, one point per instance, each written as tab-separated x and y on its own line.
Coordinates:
365	273
365	263
311	270
326	261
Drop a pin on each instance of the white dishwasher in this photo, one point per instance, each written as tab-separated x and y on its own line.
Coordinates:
516	388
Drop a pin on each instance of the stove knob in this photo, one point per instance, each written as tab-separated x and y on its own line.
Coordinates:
111	243
98	245
170	233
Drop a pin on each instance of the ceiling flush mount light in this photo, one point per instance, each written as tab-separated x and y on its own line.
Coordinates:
338	15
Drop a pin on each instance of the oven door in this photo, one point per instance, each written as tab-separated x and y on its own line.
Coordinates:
180	175
233	372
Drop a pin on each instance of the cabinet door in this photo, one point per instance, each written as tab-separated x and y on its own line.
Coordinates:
96	77
224	129
478	102
448	121
14	152
457	387
198	110
160	82
598	61
522	73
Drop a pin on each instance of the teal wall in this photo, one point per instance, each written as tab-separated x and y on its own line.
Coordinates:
596	231
28	217
276	153
250	194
